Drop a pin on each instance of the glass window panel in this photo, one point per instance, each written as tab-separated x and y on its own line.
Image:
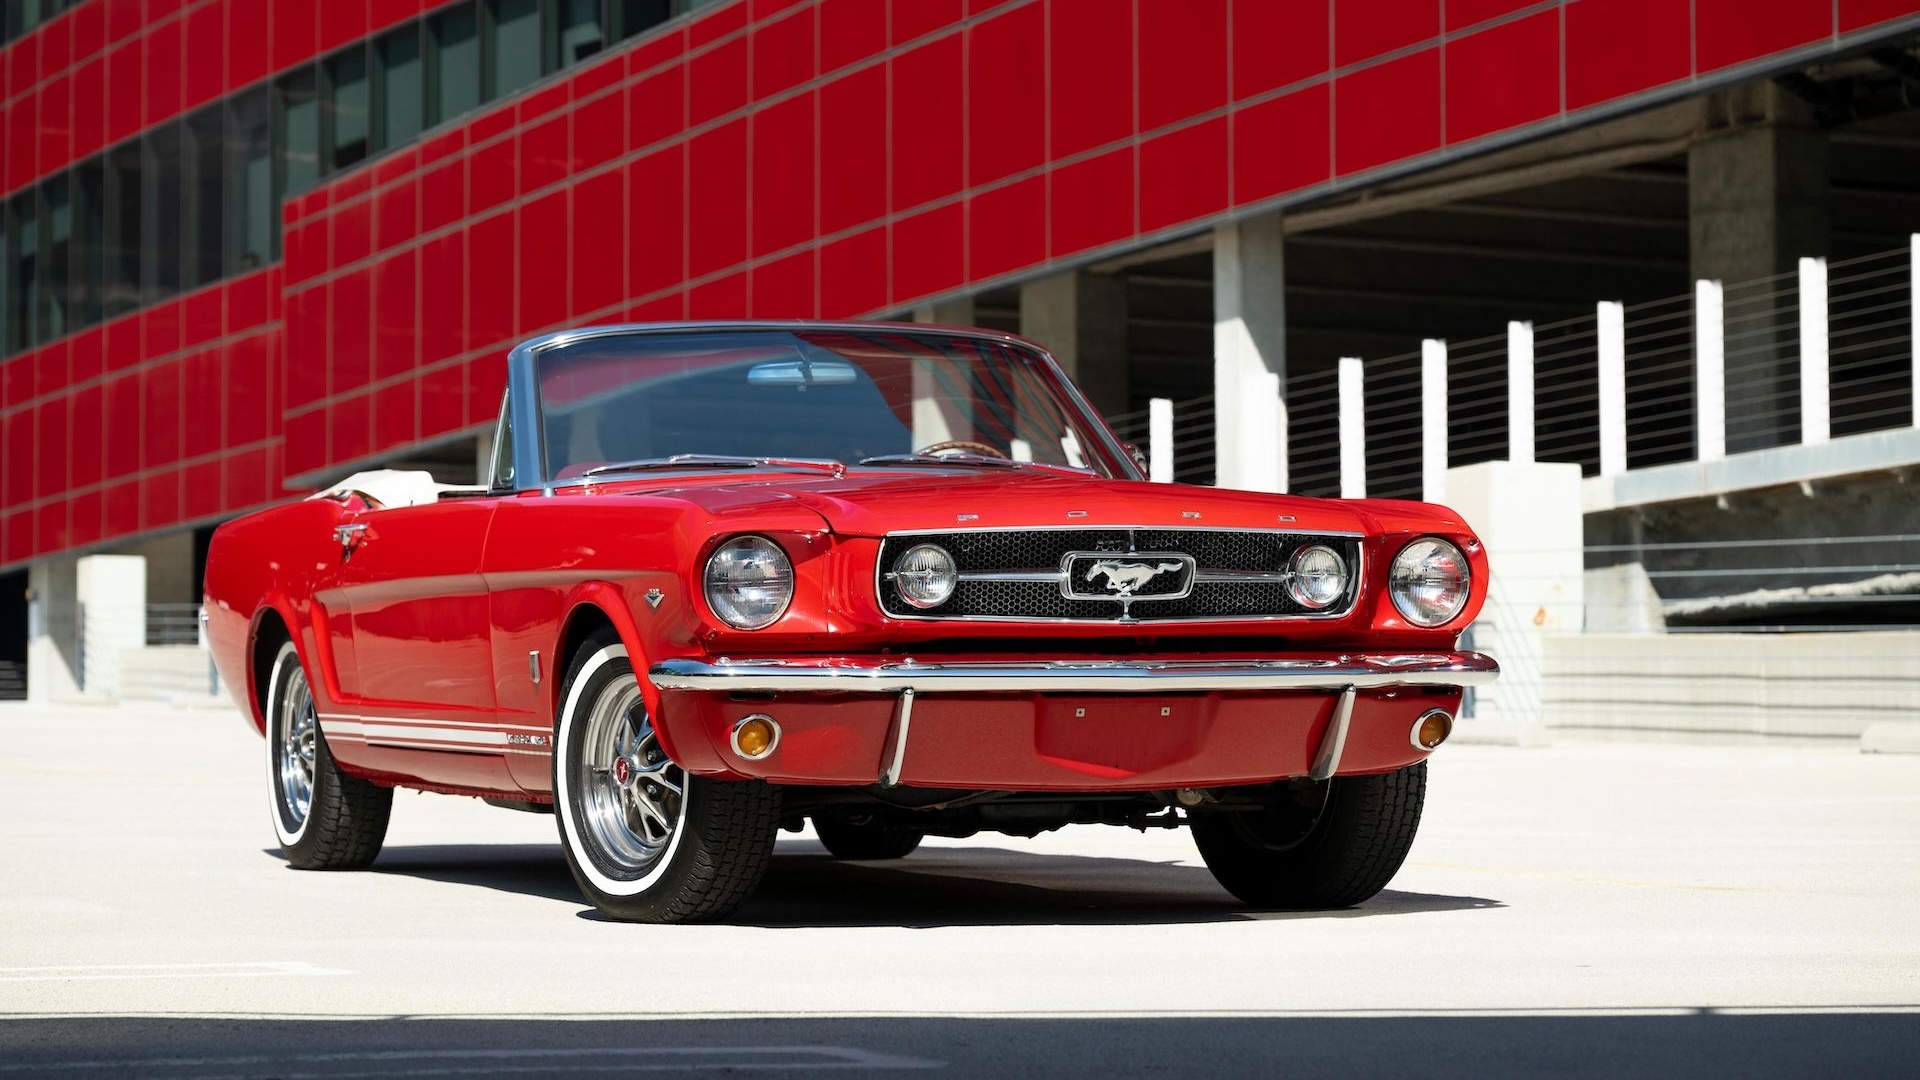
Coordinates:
23	252
163	213
581	34
124	198
297	132
56	239
89	230
513	45
638	16
402	88
453	41
252	227
348	124
205	160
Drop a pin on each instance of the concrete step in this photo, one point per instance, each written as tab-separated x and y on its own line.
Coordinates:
165	673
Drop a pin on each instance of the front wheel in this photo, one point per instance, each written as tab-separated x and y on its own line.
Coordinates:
1330	845
645	841
325	819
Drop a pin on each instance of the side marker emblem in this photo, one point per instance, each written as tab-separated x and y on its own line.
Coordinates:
654	596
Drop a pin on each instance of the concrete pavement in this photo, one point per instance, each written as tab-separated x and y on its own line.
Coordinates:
1596	909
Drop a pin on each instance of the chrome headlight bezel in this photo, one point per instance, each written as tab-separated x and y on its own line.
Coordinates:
1412	569
1299	577
944	579
743	563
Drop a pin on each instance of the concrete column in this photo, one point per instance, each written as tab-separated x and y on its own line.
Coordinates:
955	312
113	593
169	577
53	631
1757	203
1528	516
1249	343
1081	318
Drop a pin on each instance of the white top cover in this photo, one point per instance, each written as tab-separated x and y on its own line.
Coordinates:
391	488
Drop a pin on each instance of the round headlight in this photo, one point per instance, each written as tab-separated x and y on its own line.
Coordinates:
1319	577
1429	581
924	575
749	582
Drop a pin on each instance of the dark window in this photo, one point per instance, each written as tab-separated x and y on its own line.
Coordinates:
205	161
89	232
124	198
296	120
579	32
55	279
453	63
348	128
632	17
401	86
252	228
512	45
162	213
23	256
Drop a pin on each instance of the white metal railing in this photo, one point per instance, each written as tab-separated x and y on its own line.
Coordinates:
1822	351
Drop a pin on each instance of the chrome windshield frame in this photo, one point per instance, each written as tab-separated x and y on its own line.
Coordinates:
523	384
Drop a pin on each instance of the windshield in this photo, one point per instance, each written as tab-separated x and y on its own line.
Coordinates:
830	394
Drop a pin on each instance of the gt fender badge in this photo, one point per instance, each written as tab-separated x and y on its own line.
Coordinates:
654	596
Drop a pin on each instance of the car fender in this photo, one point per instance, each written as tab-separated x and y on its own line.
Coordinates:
687	745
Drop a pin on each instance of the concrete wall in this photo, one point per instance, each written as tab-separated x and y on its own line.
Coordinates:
1794	686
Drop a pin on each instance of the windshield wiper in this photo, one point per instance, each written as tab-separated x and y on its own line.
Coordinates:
718	461
983	460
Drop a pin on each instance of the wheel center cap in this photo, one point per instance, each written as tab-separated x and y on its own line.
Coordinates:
622	771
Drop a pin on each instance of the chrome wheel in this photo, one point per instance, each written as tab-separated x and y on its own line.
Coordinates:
296	736
632	797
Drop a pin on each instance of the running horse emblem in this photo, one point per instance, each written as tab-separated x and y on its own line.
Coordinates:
1125	578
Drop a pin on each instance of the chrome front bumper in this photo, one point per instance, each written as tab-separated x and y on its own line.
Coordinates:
877	676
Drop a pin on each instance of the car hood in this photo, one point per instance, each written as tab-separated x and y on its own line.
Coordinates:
874	504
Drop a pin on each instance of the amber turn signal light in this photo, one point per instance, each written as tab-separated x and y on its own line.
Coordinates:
754	737
1432	729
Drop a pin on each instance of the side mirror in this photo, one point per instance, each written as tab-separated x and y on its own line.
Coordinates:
1139	456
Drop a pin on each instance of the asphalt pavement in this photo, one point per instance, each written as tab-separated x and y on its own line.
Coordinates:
1581	910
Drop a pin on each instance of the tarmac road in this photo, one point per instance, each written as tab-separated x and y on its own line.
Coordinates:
1584	910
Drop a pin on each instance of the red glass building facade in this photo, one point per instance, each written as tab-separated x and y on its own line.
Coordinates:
763	158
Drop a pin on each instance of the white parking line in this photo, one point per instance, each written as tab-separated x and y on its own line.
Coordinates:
96	972
632	1058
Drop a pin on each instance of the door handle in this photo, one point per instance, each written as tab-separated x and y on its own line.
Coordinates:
351	534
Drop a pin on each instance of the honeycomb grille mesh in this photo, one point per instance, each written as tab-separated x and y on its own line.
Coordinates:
1042	551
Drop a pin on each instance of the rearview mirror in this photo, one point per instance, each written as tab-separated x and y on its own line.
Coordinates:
802	373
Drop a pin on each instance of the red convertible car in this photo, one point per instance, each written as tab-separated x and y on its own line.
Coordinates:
896	580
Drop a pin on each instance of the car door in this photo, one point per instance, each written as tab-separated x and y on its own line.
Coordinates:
417	608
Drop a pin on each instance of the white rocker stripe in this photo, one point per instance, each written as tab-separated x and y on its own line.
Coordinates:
433	735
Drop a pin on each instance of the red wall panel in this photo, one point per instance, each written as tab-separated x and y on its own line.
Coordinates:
783	156
1184	71
1183	175
1364	29
1090	76
1731	31
925	158
1503	77
1618	47
1006	121
1388	112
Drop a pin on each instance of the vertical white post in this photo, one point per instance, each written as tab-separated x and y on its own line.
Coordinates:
1913	318
1815	415
1710	369
1353	428
1520	392
1263	433
1160	440
1433	420
1613	387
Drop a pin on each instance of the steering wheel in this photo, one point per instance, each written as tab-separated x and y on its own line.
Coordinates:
963	445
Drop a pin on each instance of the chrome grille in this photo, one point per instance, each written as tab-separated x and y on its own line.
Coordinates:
1222	585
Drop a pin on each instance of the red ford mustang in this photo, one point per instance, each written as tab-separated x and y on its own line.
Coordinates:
900	581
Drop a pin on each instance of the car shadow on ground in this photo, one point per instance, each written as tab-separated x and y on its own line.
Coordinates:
936	886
